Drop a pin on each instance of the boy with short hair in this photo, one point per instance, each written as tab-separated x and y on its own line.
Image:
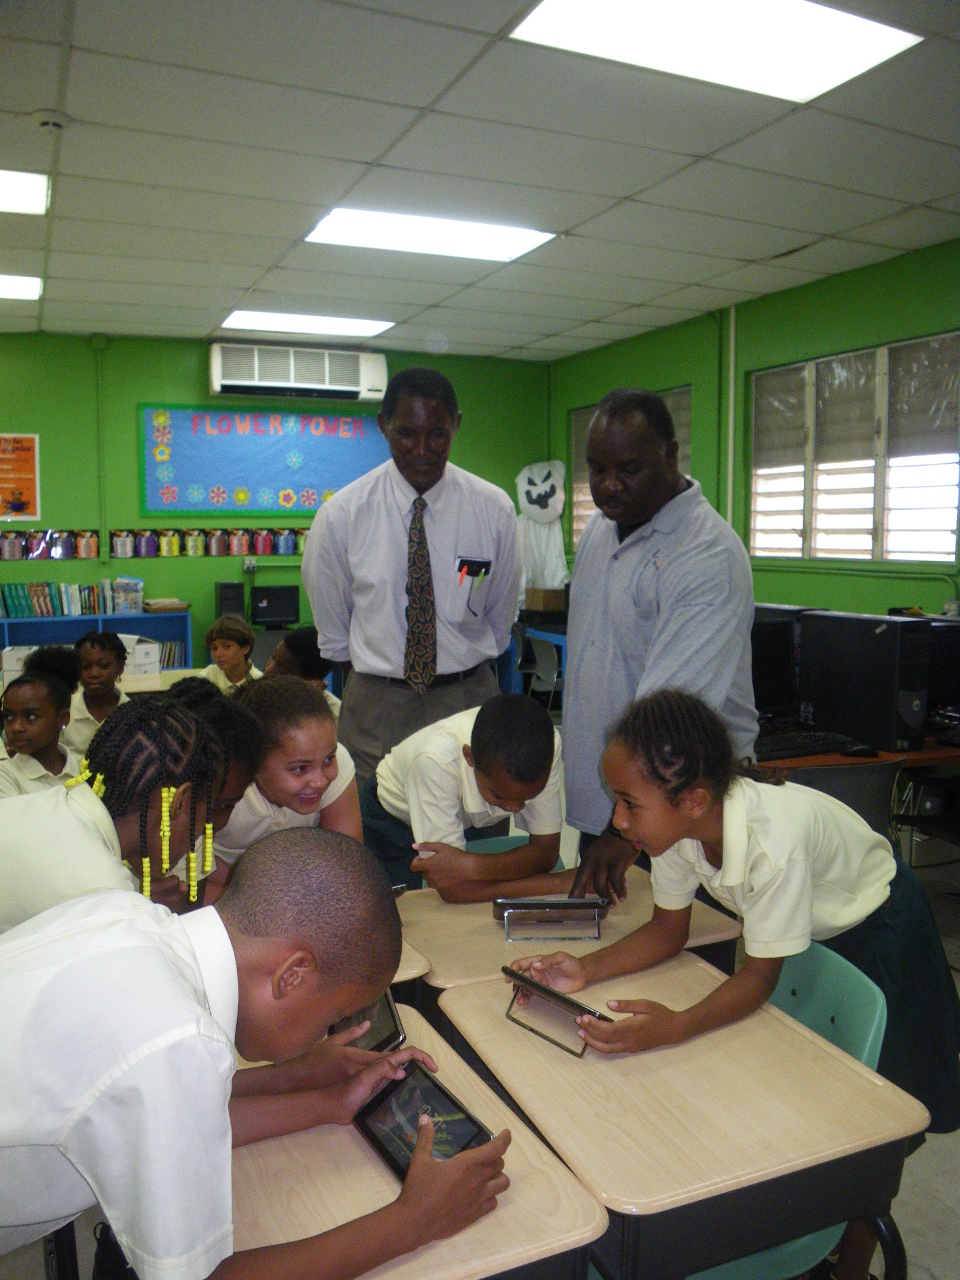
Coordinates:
117	1064
230	641
441	786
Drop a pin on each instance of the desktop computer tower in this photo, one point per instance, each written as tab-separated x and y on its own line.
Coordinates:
865	675
228	597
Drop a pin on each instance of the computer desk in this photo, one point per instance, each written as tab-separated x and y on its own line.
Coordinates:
931	753
305	1183
728	1144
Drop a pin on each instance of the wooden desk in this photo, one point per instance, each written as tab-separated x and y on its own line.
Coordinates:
412	964
931	753
463	942
288	1188
725	1145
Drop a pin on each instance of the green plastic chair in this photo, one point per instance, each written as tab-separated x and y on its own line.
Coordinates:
833	998
503	844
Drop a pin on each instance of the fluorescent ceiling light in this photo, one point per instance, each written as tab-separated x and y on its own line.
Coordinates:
292	322
410	233
23	192
791	49
23	287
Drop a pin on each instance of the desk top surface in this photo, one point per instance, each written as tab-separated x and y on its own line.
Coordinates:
296	1186
931	753
412	964
647	1132
464	943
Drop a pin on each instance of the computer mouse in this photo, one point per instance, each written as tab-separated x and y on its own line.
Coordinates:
859	749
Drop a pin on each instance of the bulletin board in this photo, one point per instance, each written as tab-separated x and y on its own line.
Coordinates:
216	461
19	477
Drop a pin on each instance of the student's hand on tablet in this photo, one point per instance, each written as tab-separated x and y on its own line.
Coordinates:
349	1096
444	867
560	971
651	1026
444	1196
603	868
334	1059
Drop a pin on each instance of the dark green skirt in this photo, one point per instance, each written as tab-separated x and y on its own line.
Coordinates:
899	948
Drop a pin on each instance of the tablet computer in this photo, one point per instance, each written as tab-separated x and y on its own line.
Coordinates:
385	1031
554	904
389	1121
549	1014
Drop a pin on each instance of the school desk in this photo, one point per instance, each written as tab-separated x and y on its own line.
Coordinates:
299	1185
931	753
730	1143
412	964
464	943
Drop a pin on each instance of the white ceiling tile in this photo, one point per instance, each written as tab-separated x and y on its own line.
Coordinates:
534	157
548	89
94	199
764	277
580	253
112	292
111	239
147	319
143	96
916	92
30	74
734	192
848	153
23	145
553	306
443	196
911	229
27	20
474	15
22	231
307	284
600	331
339	259
528	353
16	308
457	319
18	324
522	277
951	202
440	331
831	256
702	298
140	327
439	344
336	48
21	262
211	275
123	155
329	305
562	346
655	317
652	225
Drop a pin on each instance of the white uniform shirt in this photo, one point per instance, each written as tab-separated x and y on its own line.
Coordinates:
797	866
223	681
22	773
669	607
116	1063
56	844
426	783
355	570
80	731
255	817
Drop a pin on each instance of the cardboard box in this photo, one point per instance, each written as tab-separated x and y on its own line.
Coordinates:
13	658
541	600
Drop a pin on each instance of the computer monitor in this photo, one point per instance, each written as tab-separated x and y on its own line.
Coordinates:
774	667
944	687
275	607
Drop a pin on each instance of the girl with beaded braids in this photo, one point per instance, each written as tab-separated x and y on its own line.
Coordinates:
145	791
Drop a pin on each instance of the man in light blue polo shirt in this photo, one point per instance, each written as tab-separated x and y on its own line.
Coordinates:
661	597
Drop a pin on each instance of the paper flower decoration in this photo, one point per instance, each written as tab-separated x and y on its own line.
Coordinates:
266	497
218	495
241	496
165	472
160	418
162	453
327	495
168	493
287	498
196	493
308	498
294	460
291	427
162	435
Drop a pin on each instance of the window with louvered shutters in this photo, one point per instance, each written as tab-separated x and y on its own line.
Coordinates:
844	462
779	446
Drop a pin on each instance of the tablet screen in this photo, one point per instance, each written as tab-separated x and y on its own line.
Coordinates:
394	1123
385	1030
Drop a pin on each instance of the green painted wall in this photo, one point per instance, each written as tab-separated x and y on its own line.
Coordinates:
909	296
81	394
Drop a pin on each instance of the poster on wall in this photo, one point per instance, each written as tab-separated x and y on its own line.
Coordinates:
19	477
217	461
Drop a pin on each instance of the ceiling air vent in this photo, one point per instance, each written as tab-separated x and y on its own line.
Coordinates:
257	369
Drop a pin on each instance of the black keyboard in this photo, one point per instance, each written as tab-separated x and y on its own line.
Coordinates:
783	746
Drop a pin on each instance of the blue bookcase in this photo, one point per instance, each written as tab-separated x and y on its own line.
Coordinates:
152	626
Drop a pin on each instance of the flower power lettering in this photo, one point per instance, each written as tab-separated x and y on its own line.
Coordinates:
209	460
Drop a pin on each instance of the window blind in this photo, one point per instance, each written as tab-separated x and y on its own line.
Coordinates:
924	414
778	418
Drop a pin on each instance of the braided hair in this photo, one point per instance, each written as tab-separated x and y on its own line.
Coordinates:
679	742
55	667
147	743
281	703
107	640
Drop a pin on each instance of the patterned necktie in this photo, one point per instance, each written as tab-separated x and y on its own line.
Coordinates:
420	656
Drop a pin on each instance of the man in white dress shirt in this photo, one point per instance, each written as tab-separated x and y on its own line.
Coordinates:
413	574
661	597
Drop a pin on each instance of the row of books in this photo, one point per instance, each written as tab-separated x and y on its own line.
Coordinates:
54	599
173	653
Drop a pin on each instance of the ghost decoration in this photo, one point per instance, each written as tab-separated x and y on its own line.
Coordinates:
541	496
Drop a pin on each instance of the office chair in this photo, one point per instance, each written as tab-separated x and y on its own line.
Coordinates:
866	788
546	675
833	998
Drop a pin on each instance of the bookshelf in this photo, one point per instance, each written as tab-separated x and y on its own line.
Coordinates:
152	626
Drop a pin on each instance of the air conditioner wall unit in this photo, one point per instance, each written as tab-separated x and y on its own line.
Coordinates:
262	369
